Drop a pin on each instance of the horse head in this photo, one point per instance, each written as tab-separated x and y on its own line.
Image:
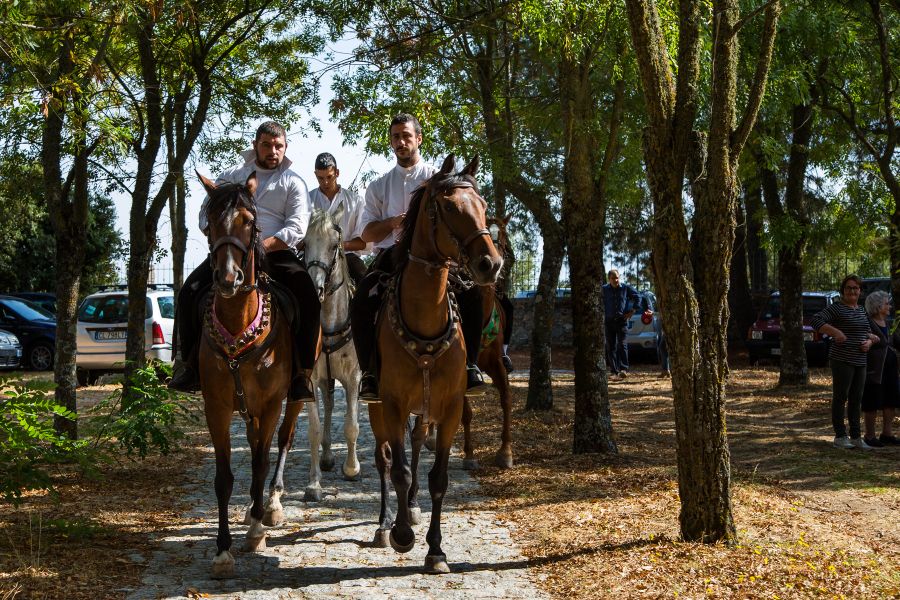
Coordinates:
234	244
460	231
322	246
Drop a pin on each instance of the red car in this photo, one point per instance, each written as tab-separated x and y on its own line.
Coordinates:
764	336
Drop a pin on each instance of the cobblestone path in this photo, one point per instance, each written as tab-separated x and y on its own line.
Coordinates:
324	549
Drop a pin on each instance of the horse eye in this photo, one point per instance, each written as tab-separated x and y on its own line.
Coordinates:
450	207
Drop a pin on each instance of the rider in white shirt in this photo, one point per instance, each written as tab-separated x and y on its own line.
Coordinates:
387	199
329	194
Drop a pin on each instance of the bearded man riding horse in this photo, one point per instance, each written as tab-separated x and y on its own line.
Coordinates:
282	201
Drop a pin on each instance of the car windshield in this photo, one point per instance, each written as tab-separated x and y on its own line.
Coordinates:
107	309
27	310
811	305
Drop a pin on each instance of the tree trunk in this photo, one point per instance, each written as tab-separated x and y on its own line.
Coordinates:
757	257
740	300
540	388
179	232
593	419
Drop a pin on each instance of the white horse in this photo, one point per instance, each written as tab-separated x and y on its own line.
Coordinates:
327	267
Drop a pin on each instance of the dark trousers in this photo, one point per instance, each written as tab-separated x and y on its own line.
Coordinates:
365	305
616	347
847	384
509	311
282	266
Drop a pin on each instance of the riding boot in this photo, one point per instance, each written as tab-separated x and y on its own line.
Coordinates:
301	387
185	375
507	363
368	388
475	385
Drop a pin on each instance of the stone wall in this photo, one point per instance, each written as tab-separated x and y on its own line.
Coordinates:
524	322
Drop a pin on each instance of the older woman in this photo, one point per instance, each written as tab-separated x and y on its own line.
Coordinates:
846	322
882	391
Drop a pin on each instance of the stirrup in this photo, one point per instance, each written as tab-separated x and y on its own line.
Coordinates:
475	385
368	389
507	363
186	381
301	390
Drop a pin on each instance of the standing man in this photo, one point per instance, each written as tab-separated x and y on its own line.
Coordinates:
387	199
329	194
619	302
282	205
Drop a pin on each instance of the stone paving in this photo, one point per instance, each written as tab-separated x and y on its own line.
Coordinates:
324	549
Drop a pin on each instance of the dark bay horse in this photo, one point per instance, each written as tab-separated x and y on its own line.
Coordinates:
245	362
422	355
490	360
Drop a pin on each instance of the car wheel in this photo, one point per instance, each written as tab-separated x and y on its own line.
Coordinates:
40	356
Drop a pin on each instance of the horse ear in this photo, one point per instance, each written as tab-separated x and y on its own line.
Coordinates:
472	167
449	164
207	183
506	219
251	183
338	212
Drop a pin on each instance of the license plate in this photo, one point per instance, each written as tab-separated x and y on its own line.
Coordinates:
776	351
112	335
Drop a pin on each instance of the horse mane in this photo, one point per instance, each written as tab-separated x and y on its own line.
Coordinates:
320	220
439	181
225	200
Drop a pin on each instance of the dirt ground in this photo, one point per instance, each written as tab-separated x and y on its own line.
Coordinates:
813	521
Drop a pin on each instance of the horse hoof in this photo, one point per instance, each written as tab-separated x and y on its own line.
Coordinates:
352	475
326	463
222	566
469	464
381	539
257	544
504	461
312	494
273	518
436	565
415	515
398	544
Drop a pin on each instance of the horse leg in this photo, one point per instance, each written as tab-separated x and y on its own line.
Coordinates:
260	442
430	438
274	511
383	461
436	560
351	427
402	536
326	462
504	457
417	439
469	460
223	563
313	491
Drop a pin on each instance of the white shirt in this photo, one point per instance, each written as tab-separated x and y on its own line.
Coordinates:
282	199
388	196
353	209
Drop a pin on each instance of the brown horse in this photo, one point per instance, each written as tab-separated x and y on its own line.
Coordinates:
490	360
422	355
248	371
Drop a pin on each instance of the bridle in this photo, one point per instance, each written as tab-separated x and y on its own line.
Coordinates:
434	213
246	249
329	268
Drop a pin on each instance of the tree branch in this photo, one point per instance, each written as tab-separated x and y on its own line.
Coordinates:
750	16
758	88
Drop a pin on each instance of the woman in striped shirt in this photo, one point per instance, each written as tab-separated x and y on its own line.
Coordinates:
846	322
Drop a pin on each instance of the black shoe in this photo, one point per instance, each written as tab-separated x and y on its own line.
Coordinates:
301	390
186	381
507	363
874	442
888	440
368	388
475	384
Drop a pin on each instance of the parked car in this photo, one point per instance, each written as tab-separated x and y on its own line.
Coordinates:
642	328
871	284
102	330
10	350
764	336
45	300
35	329
560	293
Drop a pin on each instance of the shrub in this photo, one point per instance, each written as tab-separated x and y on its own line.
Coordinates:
29	444
143	415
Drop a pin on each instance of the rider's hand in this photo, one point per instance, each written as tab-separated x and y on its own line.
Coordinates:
839	337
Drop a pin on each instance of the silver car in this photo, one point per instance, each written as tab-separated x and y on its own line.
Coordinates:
10	350
102	331
642	328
